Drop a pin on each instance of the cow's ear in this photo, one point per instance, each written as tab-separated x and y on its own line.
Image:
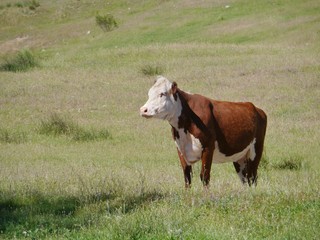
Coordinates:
174	87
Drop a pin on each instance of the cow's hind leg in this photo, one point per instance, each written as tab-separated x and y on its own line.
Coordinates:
247	167
247	170
241	169
254	163
255	153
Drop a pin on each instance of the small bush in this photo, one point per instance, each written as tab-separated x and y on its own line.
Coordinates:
149	70
23	61
107	22
57	125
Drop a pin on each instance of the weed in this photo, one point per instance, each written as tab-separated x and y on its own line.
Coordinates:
106	22
23	61
149	70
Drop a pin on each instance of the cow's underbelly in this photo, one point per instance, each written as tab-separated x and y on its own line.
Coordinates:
248	153
189	146
191	149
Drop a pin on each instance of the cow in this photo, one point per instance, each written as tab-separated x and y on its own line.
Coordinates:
209	130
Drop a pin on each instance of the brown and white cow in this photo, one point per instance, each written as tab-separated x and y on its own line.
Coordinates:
209	130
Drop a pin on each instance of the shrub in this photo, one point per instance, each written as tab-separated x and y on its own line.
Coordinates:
106	22
57	125
149	70
22	61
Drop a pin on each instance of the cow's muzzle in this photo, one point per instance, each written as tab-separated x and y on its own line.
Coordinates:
144	112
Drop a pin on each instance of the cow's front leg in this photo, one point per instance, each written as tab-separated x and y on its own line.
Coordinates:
187	170
206	159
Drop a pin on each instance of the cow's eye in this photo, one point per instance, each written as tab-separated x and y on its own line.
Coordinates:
163	94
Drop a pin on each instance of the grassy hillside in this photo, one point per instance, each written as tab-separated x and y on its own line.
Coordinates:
76	159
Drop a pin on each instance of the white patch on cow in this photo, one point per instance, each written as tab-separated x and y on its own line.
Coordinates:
173	115
189	146
252	152
240	173
219	157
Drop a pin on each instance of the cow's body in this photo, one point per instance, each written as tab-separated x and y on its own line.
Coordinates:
208	130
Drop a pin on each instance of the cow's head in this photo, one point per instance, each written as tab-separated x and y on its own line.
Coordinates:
162	102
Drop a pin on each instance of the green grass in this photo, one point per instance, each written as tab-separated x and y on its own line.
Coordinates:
96	170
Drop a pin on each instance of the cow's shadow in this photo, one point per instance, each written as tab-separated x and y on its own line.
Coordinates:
39	212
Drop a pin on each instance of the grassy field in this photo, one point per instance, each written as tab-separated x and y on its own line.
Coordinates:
78	162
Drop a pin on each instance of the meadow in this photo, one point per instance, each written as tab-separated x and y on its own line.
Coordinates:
78	162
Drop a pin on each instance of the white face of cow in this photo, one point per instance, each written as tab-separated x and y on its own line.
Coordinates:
161	103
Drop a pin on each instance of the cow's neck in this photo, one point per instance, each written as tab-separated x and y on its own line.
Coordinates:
173	117
179	118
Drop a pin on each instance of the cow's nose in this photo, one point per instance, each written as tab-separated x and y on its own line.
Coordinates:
143	110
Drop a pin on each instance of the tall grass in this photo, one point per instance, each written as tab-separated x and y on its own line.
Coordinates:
58	125
32	5
12	136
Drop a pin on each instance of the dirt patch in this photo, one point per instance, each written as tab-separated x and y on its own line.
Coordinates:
15	44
